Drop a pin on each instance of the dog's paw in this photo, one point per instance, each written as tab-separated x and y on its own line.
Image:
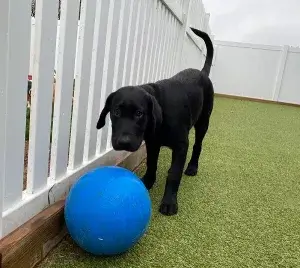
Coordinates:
169	207
148	182
191	170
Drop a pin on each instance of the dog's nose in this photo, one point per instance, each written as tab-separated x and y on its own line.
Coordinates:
124	140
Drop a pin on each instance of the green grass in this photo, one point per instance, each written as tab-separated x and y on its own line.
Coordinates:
243	208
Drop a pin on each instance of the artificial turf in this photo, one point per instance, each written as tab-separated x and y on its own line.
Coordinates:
242	209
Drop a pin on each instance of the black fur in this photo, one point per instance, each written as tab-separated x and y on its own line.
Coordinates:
162	114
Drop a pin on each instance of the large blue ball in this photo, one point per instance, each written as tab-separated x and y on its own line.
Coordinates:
107	211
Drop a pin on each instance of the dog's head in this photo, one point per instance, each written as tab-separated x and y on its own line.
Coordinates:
134	113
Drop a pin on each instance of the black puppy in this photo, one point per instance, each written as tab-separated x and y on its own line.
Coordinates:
162	114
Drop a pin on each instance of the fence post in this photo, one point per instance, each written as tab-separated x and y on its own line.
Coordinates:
185	14
280	73
4	11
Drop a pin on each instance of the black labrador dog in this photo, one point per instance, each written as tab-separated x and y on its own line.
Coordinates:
162	114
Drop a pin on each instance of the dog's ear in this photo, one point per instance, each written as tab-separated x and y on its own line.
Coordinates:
105	111
154	114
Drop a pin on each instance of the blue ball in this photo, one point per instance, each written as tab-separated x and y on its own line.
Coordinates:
107	211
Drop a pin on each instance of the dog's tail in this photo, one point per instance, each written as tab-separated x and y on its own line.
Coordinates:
209	48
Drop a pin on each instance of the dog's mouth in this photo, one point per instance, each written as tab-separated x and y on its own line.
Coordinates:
128	148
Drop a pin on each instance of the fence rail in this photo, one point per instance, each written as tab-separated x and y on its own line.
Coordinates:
46	147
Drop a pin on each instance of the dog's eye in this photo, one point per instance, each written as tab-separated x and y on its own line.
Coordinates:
117	112
138	114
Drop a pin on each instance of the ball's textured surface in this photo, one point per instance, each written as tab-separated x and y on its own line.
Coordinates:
107	211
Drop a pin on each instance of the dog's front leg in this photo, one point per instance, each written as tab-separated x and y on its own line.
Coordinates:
152	158
169	205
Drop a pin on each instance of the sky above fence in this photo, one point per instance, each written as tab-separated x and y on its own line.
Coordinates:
273	22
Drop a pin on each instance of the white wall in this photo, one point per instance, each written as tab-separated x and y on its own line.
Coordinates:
257	71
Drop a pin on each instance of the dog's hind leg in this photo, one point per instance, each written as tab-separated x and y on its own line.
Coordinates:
200	131
201	128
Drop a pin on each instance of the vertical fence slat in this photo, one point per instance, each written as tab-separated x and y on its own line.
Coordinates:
42	93
174	46
166	45
136	37
124	43
191	16
128	50
165	25
32	45
201	23
162	67
108	70
177	47
113	63
19	24
143	44
131	36
159	42
146	49
97	64
156	41
152	45
82	78
64	87
114	44
182	34
169	47
4	11
161	39
137	42
121	54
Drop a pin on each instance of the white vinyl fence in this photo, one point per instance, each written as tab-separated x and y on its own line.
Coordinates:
115	43
257	71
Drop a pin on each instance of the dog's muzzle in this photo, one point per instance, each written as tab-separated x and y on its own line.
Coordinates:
125	143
